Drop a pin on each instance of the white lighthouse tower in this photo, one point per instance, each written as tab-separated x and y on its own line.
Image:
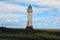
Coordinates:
29	18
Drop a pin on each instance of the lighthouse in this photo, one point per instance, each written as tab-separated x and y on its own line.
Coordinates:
29	18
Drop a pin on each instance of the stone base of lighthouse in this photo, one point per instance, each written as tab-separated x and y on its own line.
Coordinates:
29	28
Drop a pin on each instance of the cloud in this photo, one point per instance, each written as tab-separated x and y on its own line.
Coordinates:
57	20
10	18
11	21
51	3
47	19
11	11
39	24
9	8
10	15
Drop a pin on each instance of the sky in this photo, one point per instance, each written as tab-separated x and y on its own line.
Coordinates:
46	13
